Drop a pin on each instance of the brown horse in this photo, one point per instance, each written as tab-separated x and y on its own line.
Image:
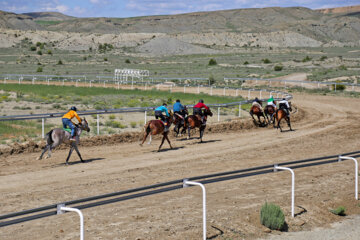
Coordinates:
281	114
269	111
179	122
194	121
155	127
256	110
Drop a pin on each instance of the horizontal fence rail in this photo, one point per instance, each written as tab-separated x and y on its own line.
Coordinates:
45	211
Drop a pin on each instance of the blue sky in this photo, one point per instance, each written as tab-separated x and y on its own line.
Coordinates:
132	8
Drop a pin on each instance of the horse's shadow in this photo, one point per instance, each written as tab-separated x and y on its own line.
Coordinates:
288	130
79	162
210	141
168	149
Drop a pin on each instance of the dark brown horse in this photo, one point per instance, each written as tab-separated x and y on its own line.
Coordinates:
269	111
256	110
281	114
194	121
155	127
179	122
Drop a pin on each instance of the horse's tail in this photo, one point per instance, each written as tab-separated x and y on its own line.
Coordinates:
147	128
48	137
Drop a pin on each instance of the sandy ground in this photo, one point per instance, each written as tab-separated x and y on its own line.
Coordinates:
325	126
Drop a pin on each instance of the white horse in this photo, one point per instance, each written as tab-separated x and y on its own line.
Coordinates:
58	135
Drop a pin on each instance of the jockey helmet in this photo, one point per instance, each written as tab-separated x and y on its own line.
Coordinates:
73	108
177	100
164	104
283	99
202	101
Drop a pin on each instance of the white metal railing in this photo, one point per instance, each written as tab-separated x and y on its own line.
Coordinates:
276	167
62	209
186	183
356	173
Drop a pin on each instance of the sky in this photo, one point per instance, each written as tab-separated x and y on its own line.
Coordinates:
134	8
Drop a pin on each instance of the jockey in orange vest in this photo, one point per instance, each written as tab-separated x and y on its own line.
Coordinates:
66	120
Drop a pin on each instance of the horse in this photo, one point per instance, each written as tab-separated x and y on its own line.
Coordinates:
179	121
154	127
281	114
256	110
269	110
194	121
58	135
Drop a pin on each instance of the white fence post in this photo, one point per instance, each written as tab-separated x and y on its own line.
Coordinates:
62	209
145	117
249	93
239	110
218	114
211	90
184	88
185	184
356	173
98	124
43	127
276	167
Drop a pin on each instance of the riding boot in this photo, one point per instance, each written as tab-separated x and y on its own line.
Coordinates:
203	122
166	128
72	139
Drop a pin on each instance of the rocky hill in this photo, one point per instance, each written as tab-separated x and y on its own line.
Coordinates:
258	27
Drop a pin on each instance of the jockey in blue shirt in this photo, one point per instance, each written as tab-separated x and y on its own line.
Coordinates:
179	111
158	114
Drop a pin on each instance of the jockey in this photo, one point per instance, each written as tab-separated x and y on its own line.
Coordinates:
271	102
158	114
284	104
197	110
179	109
66	120
257	103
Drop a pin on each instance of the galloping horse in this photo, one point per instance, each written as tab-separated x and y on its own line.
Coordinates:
280	114
269	110
179	121
58	135
256	110
154	127
194	121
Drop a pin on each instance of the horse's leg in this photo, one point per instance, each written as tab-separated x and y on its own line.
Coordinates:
78	152
289	124
202	129
145	136
162	142
168	140
189	132
68	157
44	150
150	138
278	125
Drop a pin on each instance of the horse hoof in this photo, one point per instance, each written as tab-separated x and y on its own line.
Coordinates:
38	158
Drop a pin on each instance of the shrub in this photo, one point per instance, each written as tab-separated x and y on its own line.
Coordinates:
38	44
339	211
39	52
323	58
105	59
211	79
111	116
33	48
39	69
246	63
272	216
342	67
60	62
85	58
127	61
212	62
278	68
306	59
49	52
339	87
266	60
133	124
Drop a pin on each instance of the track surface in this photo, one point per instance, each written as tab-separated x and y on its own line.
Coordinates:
328	125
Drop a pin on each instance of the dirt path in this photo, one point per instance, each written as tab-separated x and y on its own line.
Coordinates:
328	125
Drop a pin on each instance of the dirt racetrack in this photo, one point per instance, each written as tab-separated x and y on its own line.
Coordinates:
325	126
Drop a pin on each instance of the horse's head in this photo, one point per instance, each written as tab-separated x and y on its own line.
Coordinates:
208	112
84	125
171	117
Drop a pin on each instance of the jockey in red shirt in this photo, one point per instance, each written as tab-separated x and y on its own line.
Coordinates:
197	110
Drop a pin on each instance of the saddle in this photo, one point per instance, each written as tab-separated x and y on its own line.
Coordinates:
179	116
69	130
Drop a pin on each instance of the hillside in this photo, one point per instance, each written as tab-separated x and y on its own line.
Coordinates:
349	9
258	27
